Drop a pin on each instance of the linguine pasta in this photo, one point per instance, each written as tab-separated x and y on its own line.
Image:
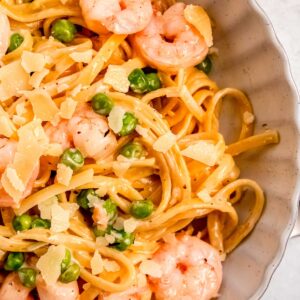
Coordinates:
188	171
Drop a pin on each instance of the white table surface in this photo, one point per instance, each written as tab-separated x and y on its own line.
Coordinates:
285	17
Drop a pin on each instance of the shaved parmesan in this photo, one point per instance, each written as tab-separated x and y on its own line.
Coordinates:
45	207
150	267
32	62
7	127
119	223
76	90
64	174
97	264
204	152
62	87
71	207
15	179
142	131
43	106
248	118
115	118
59	218
37	78
19	121
50	263
120	168
31	146
82	57
117	78
55	150
67	108
102	191
130	225
101	241
165	142
13	79
21	109
111	266
110	238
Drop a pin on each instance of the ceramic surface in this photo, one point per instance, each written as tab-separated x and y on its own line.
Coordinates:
252	59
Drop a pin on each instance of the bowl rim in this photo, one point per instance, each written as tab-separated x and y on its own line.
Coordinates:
295	200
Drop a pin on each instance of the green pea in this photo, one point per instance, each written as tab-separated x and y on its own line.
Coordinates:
102	104
70	274
205	65
14	261
72	158
16	40
133	150
22	222
129	124
63	30
27	277
123	239
138	81
141	209
66	261
111	209
154	82
83	198
41	223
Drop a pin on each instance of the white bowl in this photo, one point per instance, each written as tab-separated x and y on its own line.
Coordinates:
252	59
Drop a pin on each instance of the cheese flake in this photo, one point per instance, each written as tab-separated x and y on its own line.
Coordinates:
50	263
150	267
59	218
101	241
43	106
204	152
142	131
120	168
97	264
37	78
32	62
117	78
67	108
248	118
82	57
64	174
115	118
45	207
7	127
55	150
110	265
165	142
15	179
130	225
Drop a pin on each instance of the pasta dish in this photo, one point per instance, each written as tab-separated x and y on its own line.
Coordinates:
115	179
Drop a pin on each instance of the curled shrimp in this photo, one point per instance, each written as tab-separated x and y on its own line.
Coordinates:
65	291
5	34
117	16
12	289
191	269
169	43
7	152
87	131
133	293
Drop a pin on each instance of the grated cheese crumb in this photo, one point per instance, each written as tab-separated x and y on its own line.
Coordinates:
32	62
111	266
102	191
110	238
67	108
64	174
15	179
45	207
59	218
150	267
115	119
165	142
248	118
82	57
50	263
96	263
119	223
117	77
130	225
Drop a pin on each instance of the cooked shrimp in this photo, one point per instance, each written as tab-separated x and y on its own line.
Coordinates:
117	16
169	42
134	293
87	131
191	269
7	152
65	291
12	288
5	34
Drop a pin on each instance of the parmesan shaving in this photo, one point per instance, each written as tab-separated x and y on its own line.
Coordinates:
142	131
119	223
32	62
50	263
67	108
7	127
101	241
120	168
248	118
130	225
64	174
37	78
115	119
19	121
97	265
82	57
102	191
150	267
59	218
15	179
165	142
43	106
71	207
110	238
54	150
111	266
45	207
117	78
